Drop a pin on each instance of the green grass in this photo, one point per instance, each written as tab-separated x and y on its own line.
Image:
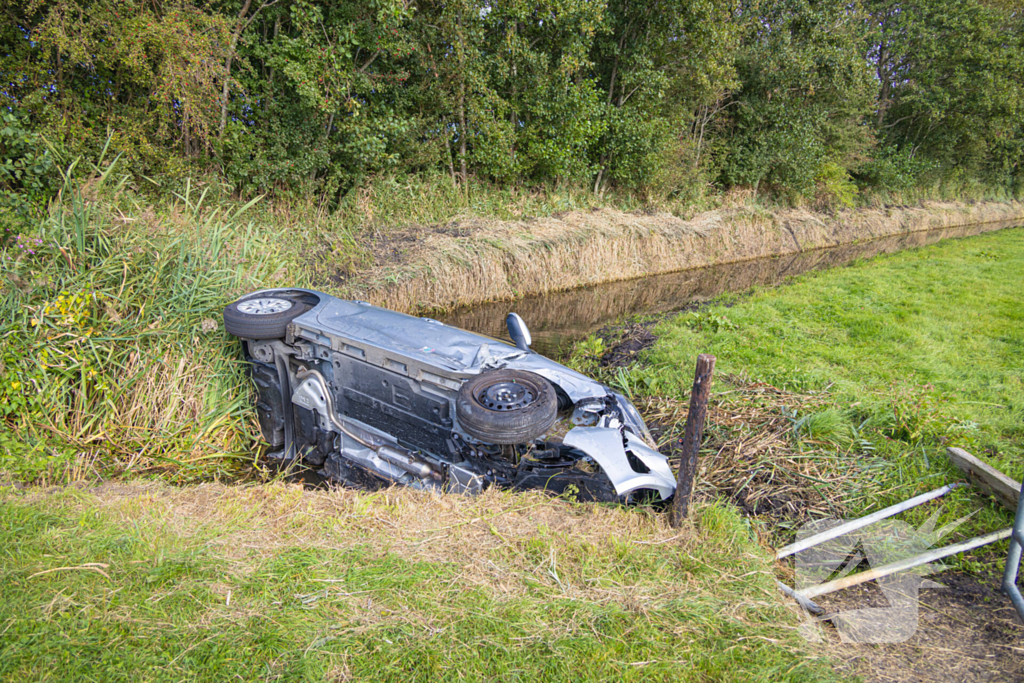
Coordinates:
112	353
912	352
177	600
930	343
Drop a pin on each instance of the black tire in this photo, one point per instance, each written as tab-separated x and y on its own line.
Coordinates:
506	406
270	324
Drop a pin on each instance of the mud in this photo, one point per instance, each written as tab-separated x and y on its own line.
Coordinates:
967	632
625	343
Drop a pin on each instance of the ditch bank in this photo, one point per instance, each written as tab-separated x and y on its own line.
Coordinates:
472	261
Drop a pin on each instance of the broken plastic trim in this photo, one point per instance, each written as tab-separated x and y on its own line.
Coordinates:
605	446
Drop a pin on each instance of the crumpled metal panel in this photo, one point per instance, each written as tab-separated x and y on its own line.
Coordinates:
434	343
605	446
425	339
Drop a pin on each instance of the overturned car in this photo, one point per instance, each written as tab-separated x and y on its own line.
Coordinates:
371	398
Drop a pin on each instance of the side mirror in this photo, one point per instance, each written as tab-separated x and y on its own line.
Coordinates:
518	332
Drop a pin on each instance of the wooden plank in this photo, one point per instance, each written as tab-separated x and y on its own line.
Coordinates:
986	478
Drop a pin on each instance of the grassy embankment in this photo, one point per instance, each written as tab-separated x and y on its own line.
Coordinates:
275	583
839	391
114	358
113	354
471	261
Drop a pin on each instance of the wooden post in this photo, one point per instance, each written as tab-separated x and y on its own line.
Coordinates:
692	438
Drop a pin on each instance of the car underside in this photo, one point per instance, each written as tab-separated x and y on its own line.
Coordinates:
370	398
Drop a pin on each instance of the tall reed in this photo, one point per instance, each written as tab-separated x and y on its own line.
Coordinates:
114	354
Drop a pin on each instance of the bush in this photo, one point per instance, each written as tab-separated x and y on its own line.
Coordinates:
835	186
892	169
25	173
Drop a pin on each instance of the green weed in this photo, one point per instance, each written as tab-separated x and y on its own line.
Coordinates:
113	355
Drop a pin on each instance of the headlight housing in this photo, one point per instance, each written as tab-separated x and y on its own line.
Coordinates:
631	418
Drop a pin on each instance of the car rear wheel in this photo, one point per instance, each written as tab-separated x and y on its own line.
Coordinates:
506	406
263	316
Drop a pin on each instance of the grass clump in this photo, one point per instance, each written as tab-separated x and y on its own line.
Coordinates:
113	352
216	583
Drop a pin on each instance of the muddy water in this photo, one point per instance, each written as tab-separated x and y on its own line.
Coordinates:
557	320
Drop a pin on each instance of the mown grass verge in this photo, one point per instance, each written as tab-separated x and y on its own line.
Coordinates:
271	582
858	377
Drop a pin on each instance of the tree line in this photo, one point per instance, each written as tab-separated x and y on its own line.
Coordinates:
663	96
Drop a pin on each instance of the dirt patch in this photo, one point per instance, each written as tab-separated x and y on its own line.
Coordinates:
967	632
626	342
393	249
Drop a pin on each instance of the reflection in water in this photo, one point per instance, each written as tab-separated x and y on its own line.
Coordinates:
558	319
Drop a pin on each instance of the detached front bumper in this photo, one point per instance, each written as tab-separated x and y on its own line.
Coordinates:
648	470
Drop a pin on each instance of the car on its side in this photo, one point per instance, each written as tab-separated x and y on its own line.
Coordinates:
370	397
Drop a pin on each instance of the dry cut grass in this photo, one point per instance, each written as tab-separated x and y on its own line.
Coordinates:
275	582
761	454
532	533
474	260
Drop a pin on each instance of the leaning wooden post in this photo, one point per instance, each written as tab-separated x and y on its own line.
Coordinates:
692	437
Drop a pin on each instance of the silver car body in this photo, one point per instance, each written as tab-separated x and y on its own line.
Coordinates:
429	361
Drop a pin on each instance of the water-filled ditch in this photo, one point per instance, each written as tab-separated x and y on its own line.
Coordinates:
558	319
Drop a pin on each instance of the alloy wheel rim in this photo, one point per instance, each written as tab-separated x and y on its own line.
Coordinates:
264	306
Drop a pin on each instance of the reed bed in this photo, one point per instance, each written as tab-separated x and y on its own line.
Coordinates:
114	355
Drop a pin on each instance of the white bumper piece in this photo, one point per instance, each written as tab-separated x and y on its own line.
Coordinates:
605	446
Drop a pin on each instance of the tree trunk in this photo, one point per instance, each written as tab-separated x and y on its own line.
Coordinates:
462	133
240	24
883	79
462	104
270	76
448	156
611	81
186	142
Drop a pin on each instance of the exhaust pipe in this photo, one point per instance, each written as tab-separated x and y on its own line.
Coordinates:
407	462
321	402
